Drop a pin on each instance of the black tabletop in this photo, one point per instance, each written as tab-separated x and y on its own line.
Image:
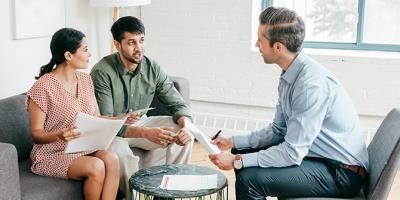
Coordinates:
148	181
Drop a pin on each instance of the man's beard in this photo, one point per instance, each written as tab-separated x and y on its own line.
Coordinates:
132	60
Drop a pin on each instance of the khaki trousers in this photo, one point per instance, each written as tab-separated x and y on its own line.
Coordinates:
138	153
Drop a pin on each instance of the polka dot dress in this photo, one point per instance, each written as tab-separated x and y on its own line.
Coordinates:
61	109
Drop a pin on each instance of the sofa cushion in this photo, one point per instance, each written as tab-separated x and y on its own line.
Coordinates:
14	125
34	187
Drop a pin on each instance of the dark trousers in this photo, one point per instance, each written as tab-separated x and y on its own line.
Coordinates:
314	177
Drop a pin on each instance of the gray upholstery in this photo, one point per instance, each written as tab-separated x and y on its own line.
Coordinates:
16	179
14	125
182	85
9	177
384	160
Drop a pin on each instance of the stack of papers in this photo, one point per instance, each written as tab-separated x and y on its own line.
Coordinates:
189	182
96	133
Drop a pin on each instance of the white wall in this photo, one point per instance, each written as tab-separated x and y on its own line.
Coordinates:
209	42
21	59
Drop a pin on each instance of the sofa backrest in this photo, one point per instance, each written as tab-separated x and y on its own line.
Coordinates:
14	125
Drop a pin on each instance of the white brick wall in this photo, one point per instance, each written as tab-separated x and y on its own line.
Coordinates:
209	42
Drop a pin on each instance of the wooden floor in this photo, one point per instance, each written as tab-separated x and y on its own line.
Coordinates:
199	157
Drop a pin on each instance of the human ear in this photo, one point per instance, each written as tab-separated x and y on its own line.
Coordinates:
68	56
278	47
117	44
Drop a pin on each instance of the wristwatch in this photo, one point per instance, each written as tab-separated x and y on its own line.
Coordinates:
238	163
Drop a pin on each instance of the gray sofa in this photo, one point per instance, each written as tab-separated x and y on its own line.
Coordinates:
16	179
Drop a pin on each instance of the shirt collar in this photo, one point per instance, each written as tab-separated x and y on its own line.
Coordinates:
294	69
122	70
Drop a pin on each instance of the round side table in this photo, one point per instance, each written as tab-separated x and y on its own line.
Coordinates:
147	182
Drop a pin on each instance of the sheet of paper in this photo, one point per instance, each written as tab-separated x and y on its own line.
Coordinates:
144	110
96	133
157	121
189	182
203	139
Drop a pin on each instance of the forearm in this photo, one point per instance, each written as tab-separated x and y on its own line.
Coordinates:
42	137
135	132
282	155
257	139
181	121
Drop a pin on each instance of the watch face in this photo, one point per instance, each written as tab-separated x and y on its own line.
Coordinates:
237	164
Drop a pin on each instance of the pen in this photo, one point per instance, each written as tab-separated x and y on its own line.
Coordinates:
216	135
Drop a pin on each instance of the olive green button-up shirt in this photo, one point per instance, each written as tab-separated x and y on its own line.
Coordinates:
119	91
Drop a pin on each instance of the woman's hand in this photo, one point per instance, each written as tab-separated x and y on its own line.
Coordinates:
67	134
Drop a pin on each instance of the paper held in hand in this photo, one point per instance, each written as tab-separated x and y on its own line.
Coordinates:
189	182
203	139
96	133
166	121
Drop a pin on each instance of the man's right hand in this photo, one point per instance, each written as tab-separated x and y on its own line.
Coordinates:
160	135
223	144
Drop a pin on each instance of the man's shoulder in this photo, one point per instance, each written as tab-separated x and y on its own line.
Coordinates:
105	66
107	63
150	63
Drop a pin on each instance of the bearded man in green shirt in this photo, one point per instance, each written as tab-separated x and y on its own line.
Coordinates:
127	81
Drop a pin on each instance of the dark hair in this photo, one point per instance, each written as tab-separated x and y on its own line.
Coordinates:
126	24
284	26
65	39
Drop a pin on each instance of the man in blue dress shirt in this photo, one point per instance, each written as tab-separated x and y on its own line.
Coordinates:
314	146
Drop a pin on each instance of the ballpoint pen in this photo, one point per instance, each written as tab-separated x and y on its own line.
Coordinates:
216	135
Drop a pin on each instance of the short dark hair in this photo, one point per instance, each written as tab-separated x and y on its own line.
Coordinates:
284	26
126	24
65	39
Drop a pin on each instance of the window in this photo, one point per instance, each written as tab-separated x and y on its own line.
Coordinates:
347	24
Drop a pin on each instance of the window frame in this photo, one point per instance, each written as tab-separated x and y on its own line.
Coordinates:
358	45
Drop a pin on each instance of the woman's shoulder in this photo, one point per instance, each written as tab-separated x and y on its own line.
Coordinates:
44	81
84	79
83	76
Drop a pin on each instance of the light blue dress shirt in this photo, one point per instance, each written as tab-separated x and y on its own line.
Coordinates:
314	117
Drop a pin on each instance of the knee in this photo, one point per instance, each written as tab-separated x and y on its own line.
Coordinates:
110	160
249	177
96	170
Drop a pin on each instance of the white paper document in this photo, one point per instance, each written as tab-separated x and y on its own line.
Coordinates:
189	182
96	133
203	139
143	110
166	121
157	121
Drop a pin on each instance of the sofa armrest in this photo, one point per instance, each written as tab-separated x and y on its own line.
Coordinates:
182	85
9	174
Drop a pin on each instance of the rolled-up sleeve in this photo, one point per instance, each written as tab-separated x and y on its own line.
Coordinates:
170	97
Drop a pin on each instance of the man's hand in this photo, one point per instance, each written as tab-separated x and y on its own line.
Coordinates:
67	134
223	161
223	143
183	137
162	135
132	118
